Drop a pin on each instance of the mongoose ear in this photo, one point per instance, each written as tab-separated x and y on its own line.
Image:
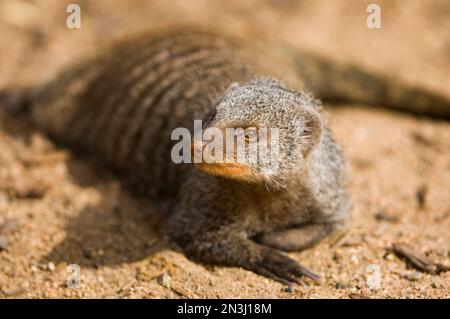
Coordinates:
312	131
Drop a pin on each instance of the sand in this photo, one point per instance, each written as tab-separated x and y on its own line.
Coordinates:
59	209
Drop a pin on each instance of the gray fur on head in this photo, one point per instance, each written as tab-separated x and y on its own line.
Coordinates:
269	103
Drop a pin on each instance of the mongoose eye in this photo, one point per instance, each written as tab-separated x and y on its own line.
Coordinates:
251	134
306	131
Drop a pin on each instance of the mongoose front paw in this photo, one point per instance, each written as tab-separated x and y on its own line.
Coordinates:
276	265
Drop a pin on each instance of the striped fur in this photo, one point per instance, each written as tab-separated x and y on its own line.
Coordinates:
122	105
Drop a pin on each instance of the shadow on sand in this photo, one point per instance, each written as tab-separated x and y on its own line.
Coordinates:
121	228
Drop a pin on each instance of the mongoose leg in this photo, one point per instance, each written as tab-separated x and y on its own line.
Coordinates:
249	255
295	239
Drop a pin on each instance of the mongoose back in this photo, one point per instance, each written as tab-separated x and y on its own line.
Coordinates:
124	104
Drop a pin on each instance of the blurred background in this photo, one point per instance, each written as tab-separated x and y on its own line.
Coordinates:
57	209
413	42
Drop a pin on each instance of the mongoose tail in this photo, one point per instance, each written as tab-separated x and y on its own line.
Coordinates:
342	83
328	80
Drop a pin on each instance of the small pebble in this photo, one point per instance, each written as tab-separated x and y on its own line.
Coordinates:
384	216
414	276
389	257
358	296
341	285
287	289
31	192
51	266
164	280
337	257
421	195
13	291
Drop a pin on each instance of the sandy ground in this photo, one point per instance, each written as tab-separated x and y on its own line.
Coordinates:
58	209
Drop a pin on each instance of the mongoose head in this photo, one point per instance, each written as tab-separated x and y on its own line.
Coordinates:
267	133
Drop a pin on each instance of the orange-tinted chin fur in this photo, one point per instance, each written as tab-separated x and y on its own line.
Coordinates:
230	170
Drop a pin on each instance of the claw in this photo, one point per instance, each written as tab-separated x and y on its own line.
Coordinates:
308	273
268	274
280	267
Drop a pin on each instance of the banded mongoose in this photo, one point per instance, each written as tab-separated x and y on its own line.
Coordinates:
122	106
